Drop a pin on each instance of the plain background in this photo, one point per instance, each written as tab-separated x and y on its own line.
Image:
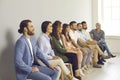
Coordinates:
12	12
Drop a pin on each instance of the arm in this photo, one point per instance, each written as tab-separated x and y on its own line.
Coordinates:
103	35
41	56
42	46
64	41
76	45
73	40
83	42
19	52
91	34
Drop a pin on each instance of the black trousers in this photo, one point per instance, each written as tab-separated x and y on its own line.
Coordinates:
100	59
72	58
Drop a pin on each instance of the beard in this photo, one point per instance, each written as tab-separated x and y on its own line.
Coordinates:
85	28
30	32
80	29
74	29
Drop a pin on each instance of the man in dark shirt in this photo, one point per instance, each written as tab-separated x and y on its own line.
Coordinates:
99	35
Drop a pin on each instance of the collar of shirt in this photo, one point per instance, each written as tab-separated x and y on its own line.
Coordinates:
46	36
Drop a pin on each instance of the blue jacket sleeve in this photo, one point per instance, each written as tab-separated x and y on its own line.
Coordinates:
41	56
19	52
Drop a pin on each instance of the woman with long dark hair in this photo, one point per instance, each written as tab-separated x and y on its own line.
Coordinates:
69	44
61	51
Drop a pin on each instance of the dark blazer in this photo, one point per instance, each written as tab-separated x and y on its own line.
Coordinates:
23	57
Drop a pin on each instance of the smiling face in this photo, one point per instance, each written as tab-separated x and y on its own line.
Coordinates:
84	26
74	26
49	28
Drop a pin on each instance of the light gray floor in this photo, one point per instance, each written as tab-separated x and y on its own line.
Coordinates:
109	71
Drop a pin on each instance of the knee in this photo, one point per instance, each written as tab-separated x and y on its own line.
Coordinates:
56	72
59	70
61	61
48	78
74	56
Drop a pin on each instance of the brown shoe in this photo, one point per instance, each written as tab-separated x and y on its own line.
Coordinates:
105	57
95	65
77	74
70	77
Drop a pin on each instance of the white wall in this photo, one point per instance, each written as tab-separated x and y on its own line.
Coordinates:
113	42
13	11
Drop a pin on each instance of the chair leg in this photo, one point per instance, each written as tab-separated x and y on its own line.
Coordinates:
69	66
62	76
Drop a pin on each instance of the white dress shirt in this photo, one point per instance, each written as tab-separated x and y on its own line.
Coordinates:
31	49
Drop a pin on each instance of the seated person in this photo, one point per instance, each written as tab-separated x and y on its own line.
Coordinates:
99	35
86	41
26	52
69	44
45	47
61	51
87	53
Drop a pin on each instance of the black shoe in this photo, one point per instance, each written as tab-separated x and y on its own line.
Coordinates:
103	60
112	55
100	62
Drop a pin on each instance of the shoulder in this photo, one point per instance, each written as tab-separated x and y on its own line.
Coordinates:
41	37
93	30
20	40
102	30
71	32
20	43
54	39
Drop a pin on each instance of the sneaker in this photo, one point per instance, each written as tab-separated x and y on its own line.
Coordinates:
81	72
105	57
75	78
95	65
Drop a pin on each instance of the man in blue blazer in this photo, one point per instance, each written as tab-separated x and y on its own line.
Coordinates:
26	54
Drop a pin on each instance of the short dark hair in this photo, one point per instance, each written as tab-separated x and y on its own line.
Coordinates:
44	26
83	22
78	24
72	22
23	24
